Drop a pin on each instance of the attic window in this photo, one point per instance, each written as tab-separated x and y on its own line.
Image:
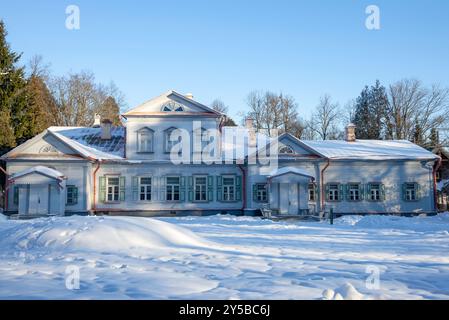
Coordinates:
286	149
172	106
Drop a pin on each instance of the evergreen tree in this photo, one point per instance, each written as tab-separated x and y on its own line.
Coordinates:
370	113
42	110
418	134
13	98
109	109
434	138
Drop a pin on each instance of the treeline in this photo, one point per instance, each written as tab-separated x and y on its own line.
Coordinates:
405	110
31	99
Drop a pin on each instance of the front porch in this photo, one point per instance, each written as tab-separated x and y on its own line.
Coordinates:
288	193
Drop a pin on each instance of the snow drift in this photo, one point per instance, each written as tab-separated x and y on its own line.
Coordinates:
101	234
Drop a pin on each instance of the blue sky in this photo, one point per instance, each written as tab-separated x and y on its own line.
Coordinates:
227	48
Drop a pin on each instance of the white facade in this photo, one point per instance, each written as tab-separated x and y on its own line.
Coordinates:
131	171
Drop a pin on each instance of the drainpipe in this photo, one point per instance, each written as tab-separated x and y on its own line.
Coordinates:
94	206
322	184
6	189
243	186
436	167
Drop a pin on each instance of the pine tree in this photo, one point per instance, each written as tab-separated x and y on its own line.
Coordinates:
109	109
13	98
434	138
370	113
42	111
418	134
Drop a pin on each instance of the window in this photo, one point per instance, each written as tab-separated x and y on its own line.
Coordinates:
375	192
172	188
200	188
286	149
113	189
354	192
260	192
145	140
172	106
145	188
312	191
72	195
228	188
169	144
333	192
410	191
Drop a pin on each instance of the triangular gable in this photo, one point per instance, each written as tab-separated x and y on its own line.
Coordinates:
296	145
156	106
44	144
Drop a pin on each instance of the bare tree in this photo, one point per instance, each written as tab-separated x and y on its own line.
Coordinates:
325	120
78	98
415	110
273	111
219	106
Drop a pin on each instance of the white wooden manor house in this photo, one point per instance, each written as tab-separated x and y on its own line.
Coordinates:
131	169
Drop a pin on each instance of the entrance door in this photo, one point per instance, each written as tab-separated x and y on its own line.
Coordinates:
38	200
288	198
293	204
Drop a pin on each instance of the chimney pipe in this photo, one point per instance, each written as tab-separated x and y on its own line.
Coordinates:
189	96
106	126
97	121
350	133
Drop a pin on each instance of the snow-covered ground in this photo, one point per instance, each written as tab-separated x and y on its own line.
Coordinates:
225	257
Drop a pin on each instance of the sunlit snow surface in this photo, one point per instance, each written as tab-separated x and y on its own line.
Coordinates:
225	257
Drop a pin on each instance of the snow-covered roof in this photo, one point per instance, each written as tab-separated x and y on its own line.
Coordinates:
286	170
370	150
46	171
88	142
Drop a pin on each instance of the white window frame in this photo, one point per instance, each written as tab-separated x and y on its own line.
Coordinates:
149	145
375	191
203	188
145	186
411	194
172	187
114	187
261	193
226	194
334	194
168	144
354	193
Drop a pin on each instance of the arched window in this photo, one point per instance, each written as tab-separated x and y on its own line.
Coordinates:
172	106
286	150
145	140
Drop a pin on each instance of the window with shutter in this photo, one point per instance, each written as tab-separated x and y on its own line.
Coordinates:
72	195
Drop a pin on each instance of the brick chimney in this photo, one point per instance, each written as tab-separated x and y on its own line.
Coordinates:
106	126
350	133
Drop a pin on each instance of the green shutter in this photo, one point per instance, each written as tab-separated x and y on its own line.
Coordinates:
16	195
122	188
190	183
342	192
135	188
382	192
327	192
238	188
346	188
404	191
255	192
102	182
182	189
368	191
75	195
361	191
418	191
210	188
219	188
162	188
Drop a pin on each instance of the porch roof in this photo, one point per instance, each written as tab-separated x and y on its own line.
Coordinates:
290	170
48	172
